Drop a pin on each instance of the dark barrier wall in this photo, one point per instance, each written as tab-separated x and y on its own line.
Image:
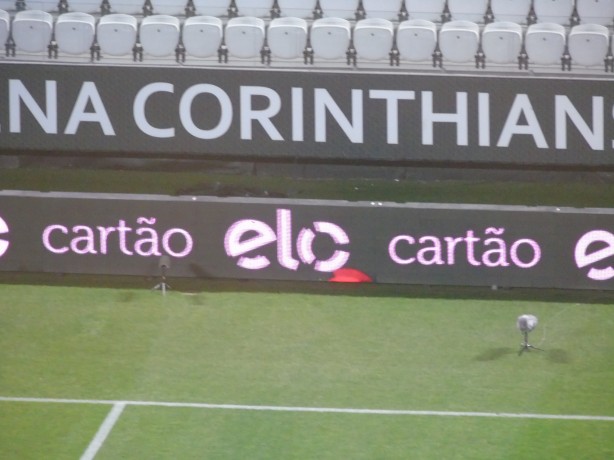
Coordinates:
307	240
307	115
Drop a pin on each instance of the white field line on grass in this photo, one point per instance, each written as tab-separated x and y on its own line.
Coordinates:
322	410
103	431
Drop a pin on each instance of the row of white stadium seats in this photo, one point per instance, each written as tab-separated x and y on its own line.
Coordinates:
522	11
292	38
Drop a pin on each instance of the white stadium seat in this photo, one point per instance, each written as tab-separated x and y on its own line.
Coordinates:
511	10
7	5
383	9
459	41
287	37
545	43
257	8
212	7
245	37
75	32
159	34
297	8
32	30
127	6
169	7
85	6
49	6
373	39
339	8
502	42
468	10
431	10
5	26
557	11
202	35
596	11
330	38
588	44
116	34
416	39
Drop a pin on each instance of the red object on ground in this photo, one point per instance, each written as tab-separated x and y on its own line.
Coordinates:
350	275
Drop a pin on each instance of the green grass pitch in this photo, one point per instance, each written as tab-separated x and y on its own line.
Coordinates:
335	348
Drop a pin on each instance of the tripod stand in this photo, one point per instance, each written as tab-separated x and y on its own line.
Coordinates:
525	345
164	265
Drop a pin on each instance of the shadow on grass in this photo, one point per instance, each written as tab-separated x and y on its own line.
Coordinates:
203	284
125	296
558	356
494	354
198	299
555	355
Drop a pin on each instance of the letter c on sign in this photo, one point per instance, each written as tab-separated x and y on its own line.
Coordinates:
4	245
392	249
585	258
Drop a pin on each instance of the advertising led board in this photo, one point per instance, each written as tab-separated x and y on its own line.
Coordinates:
283	239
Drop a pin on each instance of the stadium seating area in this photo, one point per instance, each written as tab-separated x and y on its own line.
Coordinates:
558	35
